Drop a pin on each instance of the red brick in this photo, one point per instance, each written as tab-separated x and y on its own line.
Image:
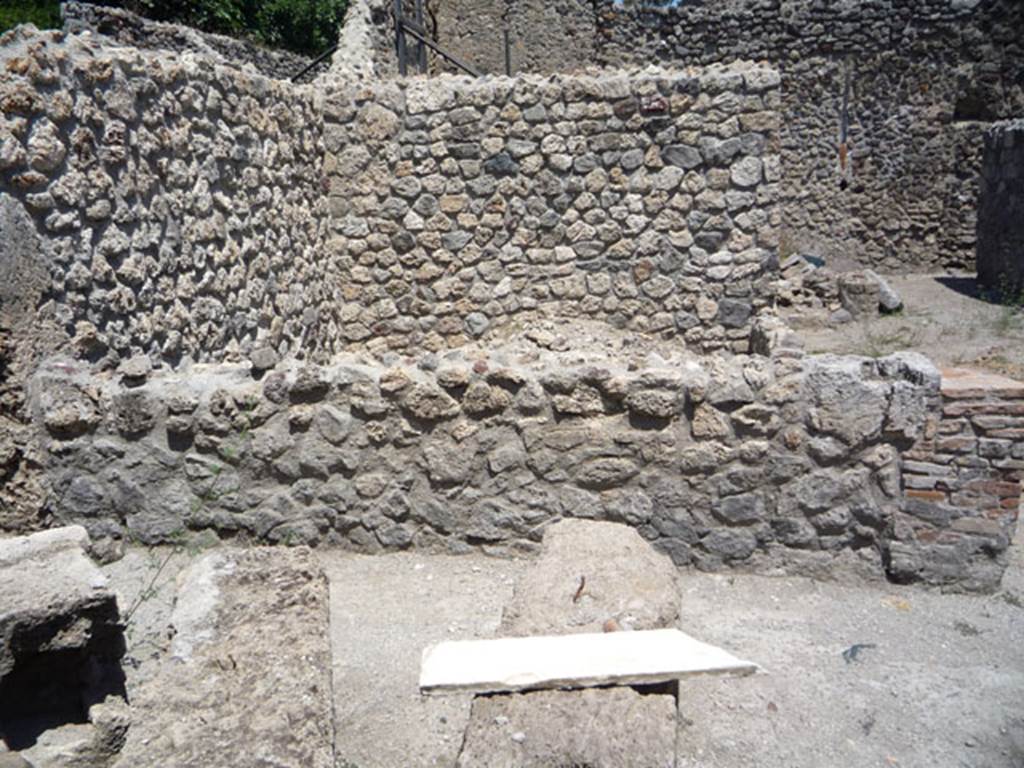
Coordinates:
993	487
957	444
999	407
926	495
1000	421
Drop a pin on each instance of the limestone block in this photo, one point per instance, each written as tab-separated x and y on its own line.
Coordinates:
859	294
572	661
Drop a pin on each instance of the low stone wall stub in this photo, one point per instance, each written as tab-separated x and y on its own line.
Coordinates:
962	484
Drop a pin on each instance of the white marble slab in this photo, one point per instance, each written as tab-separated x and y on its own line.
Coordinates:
572	661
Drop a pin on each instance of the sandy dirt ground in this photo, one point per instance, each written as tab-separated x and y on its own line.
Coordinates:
944	317
938	681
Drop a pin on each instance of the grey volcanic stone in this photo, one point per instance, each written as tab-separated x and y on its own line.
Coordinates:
605	473
477	323
682	156
501	164
731	545
134	413
733	313
136	369
657	403
624	580
264	358
603	727
250	668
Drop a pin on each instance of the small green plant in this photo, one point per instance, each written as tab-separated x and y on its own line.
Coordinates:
291	539
304	26
1009	320
879	342
1011	314
176	543
1011	598
151	590
45	14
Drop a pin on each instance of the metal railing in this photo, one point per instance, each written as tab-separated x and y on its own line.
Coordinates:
314	62
417	30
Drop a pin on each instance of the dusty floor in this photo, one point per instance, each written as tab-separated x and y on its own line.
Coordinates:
943	684
946	318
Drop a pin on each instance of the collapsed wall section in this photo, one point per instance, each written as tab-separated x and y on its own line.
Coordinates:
647	200
179	202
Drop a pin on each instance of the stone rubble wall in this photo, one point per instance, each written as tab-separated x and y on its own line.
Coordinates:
925	75
180	201
962	483
130	29
190	210
926	79
644	199
746	461
1001	212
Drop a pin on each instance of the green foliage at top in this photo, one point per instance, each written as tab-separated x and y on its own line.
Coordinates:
45	14
304	26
